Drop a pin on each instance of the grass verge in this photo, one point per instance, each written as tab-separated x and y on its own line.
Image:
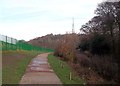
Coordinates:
14	64
63	70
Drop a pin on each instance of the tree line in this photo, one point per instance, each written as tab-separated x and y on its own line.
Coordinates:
97	49
100	41
105	28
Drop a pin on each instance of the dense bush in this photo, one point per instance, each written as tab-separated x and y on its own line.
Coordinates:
104	67
99	45
66	47
84	45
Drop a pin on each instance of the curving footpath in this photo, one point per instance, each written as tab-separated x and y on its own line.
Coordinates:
40	72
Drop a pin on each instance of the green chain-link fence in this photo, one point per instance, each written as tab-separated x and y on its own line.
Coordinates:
8	43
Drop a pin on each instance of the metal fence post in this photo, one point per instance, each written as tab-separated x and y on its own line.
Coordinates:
6	42
11	44
16	45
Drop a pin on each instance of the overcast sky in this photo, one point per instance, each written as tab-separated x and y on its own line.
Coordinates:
27	19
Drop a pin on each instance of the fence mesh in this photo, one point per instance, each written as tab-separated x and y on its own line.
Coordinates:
8	43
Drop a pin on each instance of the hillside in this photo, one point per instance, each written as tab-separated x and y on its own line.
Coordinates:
49	40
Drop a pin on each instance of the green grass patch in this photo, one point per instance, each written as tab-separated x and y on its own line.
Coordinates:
64	72
14	65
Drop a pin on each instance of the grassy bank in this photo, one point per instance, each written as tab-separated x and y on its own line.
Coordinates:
14	64
63	70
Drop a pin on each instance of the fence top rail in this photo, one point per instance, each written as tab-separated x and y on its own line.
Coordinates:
8	39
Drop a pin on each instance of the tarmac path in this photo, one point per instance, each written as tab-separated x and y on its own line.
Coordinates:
40	72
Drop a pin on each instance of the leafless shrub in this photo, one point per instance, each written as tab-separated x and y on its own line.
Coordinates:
104	67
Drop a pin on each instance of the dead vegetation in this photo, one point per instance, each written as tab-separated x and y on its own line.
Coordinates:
96	69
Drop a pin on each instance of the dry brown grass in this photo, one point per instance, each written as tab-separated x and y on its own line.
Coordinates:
96	69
